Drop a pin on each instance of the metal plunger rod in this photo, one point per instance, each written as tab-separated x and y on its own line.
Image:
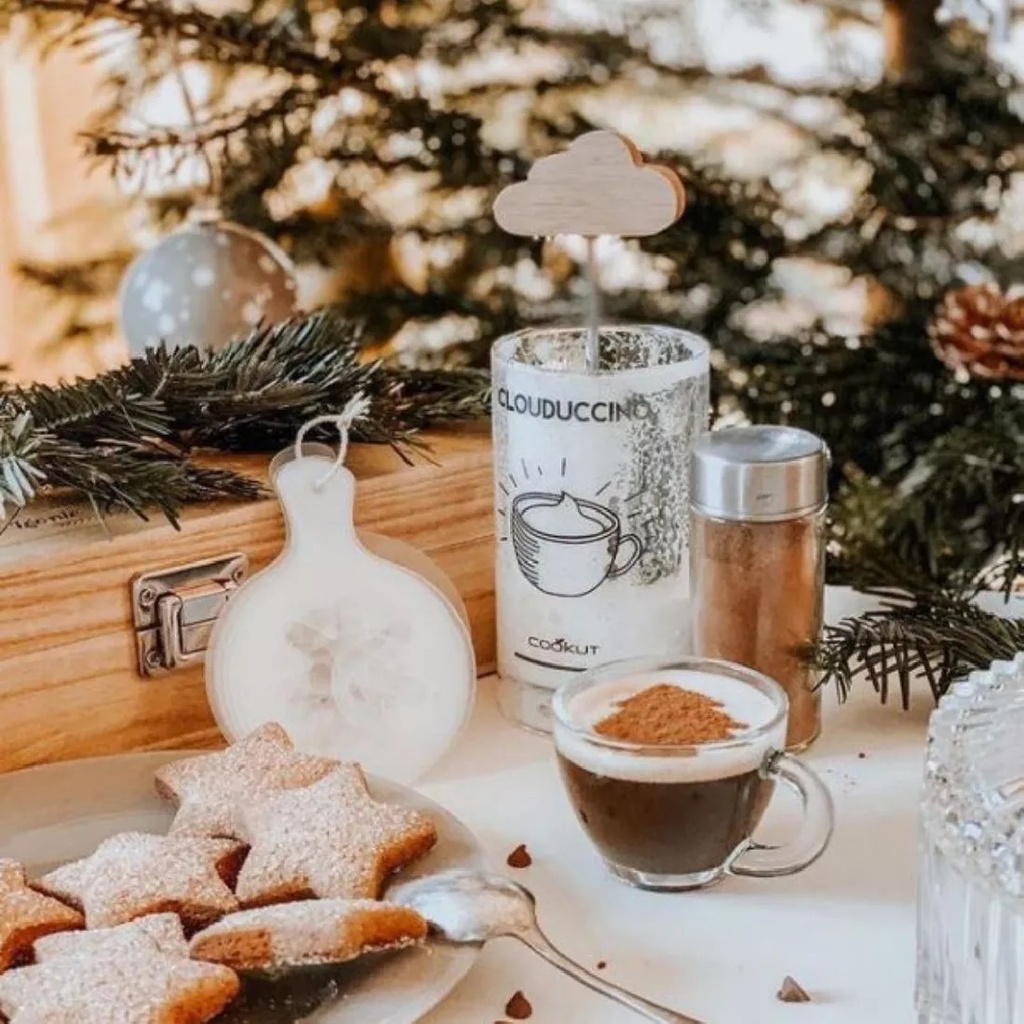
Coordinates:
593	346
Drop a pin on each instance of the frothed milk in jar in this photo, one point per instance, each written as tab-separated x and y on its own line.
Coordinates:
592	503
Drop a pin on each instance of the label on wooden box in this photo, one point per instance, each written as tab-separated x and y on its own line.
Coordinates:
50	519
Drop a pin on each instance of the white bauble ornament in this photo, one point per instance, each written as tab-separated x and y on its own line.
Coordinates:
358	658
203	285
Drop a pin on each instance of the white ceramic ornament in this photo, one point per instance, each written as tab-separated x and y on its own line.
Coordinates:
408	556
203	285
357	657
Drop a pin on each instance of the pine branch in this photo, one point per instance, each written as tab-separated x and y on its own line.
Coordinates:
937	146
136	478
266	119
819	382
227	39
124	438
260	389
93	410
963	492
450	395
20	478
940	639
928	513
691	76
85	279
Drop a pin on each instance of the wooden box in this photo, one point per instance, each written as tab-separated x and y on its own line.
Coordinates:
70	684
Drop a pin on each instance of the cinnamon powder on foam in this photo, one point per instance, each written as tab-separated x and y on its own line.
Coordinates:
666	714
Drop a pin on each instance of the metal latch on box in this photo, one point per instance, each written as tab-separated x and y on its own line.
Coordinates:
174	610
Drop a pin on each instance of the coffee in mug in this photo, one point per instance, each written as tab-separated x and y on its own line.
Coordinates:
671	766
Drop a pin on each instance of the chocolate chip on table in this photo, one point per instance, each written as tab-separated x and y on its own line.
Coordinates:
792	992
861	756
519	857
602	964
518	1007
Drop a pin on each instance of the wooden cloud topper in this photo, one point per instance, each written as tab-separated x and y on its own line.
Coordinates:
599	186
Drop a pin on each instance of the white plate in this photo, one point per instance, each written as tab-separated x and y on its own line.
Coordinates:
60	812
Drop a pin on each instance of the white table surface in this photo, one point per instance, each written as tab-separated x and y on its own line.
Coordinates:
844	928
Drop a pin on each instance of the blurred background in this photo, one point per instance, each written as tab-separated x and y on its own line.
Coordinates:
367	139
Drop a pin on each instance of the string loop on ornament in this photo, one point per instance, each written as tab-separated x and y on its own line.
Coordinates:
356	408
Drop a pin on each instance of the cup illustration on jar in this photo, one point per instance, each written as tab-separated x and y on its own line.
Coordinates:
568	546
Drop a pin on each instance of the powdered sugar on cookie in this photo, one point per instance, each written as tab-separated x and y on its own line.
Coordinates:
330	840
164	931
135	874
117	979
211	789
306	933
25	915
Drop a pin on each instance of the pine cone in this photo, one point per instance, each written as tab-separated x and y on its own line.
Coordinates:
980	329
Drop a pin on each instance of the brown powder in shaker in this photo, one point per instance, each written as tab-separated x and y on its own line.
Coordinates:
760	589
757	548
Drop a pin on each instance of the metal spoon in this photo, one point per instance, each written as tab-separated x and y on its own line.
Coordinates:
466	907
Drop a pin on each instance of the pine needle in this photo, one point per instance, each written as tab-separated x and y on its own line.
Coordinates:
124	439
941	640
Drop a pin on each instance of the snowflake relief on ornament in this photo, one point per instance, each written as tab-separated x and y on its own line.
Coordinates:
254	310
203	277
343	684
154	293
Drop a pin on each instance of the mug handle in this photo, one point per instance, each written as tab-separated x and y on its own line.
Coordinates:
619	570
759	861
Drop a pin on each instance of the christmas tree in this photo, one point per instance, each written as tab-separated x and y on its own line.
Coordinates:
370	138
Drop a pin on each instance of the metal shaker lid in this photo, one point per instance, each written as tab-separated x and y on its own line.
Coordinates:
759	473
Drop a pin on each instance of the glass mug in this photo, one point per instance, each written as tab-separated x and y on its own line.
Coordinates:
678	817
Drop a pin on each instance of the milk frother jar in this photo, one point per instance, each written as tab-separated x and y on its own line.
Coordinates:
591	501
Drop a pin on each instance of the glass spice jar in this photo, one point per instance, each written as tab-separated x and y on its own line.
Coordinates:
757	558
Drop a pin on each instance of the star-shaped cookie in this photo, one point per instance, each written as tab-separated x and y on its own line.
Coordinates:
210	789
307	933
164	930
135	874
26	915
117	977
331	840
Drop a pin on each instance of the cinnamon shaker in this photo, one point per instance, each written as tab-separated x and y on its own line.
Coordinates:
757	558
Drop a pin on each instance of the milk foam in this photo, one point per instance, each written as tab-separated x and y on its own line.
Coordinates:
567	518
741	701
